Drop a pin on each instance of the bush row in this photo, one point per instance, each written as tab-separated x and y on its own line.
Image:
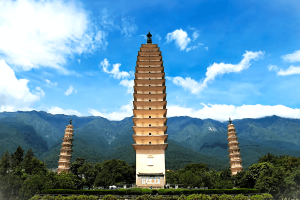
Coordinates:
159	197
140	191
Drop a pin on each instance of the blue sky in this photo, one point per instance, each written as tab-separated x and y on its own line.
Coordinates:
222	58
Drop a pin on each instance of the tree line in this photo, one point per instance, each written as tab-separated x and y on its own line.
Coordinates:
22	176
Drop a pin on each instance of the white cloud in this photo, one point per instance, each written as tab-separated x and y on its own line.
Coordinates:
144	36
195	35
43	33
206	48
128	27
293	57
14	93
70	90
39	92
115	72
49	83
215	70
223	112
158	37
124	111
281	72
181	38
57	110
193	47
129	84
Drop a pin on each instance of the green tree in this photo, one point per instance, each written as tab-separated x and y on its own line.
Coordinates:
4	163
114	172
10	185
27	162
38	182
89	173
17	157
66	180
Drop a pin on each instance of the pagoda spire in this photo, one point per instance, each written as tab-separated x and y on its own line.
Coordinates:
149	39
66	150
234	150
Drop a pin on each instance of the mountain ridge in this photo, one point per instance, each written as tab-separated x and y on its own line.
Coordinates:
190	139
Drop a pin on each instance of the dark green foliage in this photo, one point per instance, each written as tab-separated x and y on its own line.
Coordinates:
146	191
17	157
134	191
114	172
240	197
144	197
110	197
4	163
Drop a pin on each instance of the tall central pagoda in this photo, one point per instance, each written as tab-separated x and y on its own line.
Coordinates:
149	117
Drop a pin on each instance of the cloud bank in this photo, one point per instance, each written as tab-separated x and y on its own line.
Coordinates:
44	33
222	112
214	70
14	93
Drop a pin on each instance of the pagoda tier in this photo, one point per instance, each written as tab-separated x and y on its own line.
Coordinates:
149	117
147	97
66	150
234	150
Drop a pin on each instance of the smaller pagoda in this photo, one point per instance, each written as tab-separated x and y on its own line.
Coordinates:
234	150
66	150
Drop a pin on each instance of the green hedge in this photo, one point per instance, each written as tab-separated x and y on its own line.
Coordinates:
140	191
159	197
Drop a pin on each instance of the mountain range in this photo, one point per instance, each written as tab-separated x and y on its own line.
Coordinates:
191	140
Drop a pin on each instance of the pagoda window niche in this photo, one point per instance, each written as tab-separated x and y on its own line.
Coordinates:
150	160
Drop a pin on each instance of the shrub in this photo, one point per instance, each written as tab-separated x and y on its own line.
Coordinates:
146	191
144	197
37	197
93	198
267	196
159	197
198	197
178	191
172	198
214	197
73	197
134	191
256	197
186	191
109	197
225	197
154	191
48	197
162	191
203	197
182	197
191	197
240	197
170	191
59	197
82	197
121	191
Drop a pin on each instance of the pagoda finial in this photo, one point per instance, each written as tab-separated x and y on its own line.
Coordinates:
230	121
71	121
149	39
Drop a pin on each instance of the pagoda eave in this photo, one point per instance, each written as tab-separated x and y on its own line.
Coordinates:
150	96
149	103
150	146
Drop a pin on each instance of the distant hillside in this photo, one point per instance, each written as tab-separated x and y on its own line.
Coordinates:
191	140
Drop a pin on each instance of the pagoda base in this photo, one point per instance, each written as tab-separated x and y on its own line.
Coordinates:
147	180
